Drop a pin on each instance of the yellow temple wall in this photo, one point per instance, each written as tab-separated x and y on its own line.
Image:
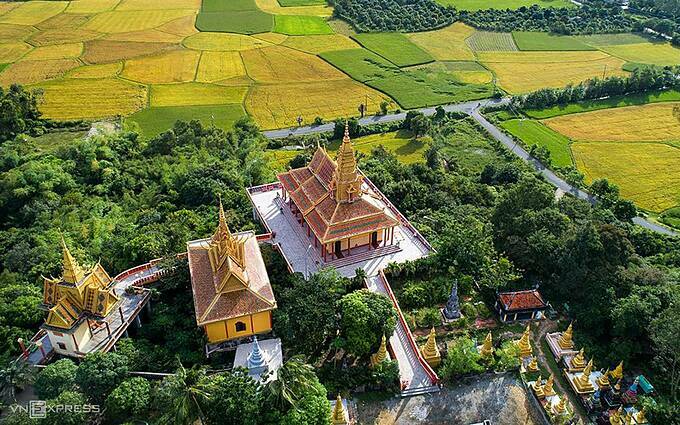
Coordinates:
81	334
226	329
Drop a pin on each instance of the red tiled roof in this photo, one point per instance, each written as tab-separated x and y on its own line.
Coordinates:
522	300
210	305
328	219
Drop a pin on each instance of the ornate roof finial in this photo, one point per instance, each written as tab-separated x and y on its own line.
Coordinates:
618	372
487	347
339	416
72	270
345	138
346	178
524	343
381	355
256	362
430	351
566	342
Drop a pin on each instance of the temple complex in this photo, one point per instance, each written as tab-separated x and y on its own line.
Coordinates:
328	199
232	294
74	300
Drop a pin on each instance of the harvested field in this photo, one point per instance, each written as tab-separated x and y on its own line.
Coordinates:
653	122
521	72
485	41
195	94
301	25
158	4
62	36
57	51
656	54
105	51
85	98
63	20
184	26
11	52
598	40
7	6
537	41
169	67
27	72
646	173
96	71
278	64
33	12
91	6
273	7
145	36
278	105
271	37
217	66
316	44
127	21
394	47
223	42
447	43
13	33
153	121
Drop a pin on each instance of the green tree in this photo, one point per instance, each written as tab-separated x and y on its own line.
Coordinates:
312	409
17	374
461	359
99	373
235	398
664	331
181	397
294	380
364	318
131	399
77	417
20	112
55	378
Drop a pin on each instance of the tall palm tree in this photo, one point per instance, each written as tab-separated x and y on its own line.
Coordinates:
17	375
187	391
294	380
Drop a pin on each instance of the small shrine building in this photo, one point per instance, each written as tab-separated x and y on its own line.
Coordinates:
520	305
327	197
233	297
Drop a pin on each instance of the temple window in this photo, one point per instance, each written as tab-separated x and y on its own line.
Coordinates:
240	326
61	345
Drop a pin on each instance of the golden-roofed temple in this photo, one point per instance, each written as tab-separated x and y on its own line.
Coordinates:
73	299
233	297
327	196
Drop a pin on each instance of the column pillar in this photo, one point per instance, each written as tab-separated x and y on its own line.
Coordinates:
75	343
349	246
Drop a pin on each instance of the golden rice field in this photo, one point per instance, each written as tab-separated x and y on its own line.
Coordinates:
195	94
183	26
520	72
91	6
10	52
57	51
216	41
652	122
62	36
27	72
63	21
278	64
91	98
13	33
33	12
273	7
662	54
219	66
278	105
97	71
646	173
315	44
148	36
271	37
169	67
446	43
104	51
133	20
158	4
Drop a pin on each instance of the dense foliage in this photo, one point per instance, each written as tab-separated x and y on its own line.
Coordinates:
18	112
641	80
660	8
392	15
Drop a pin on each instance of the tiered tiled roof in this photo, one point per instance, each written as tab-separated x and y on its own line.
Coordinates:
330	197
228	276
522	300
78	294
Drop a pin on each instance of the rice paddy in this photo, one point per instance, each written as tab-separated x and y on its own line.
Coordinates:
301	25
33	12
169	67
59	51
96	71
537	41
27	72
645	123
153	121
219	66
401	143
316	44
10	52
105	51
195	94
133	20
662	54
394	47
646	173
278	64
534	133
447	43
485	41
223	42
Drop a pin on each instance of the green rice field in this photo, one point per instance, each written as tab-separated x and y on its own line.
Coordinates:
537	41
485	41
237	16
534	133
155	120
301	25
394	47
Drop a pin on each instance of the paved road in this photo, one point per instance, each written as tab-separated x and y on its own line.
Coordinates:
472	109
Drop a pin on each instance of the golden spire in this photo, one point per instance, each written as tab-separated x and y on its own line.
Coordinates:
615	418
579	360
222	231
73	273
561	406
533	365
538	386
430	351
487	348
346	178
548	387
628	419
603	380
381	355
339	417
582	382
524	343
640	416
618	372
565	341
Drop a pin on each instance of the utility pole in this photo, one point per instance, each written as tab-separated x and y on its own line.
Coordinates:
605	71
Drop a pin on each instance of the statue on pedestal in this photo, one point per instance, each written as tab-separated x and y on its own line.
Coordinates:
452	309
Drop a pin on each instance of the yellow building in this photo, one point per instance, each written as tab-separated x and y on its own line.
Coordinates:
72	300
327	196
232	294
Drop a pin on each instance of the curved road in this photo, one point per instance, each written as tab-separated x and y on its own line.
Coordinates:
472	108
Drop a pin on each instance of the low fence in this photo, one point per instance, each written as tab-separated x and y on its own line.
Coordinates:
412	342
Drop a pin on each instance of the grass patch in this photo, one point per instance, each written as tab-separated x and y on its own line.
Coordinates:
612	102
278	159
646	173
526	40
411	88
292	3
153	121
653	122
401	143
55	139
503	4
301	25
671	217
3	66
238	16
534	133
467	149
394	47
661	54
598	40
485	41
447	43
